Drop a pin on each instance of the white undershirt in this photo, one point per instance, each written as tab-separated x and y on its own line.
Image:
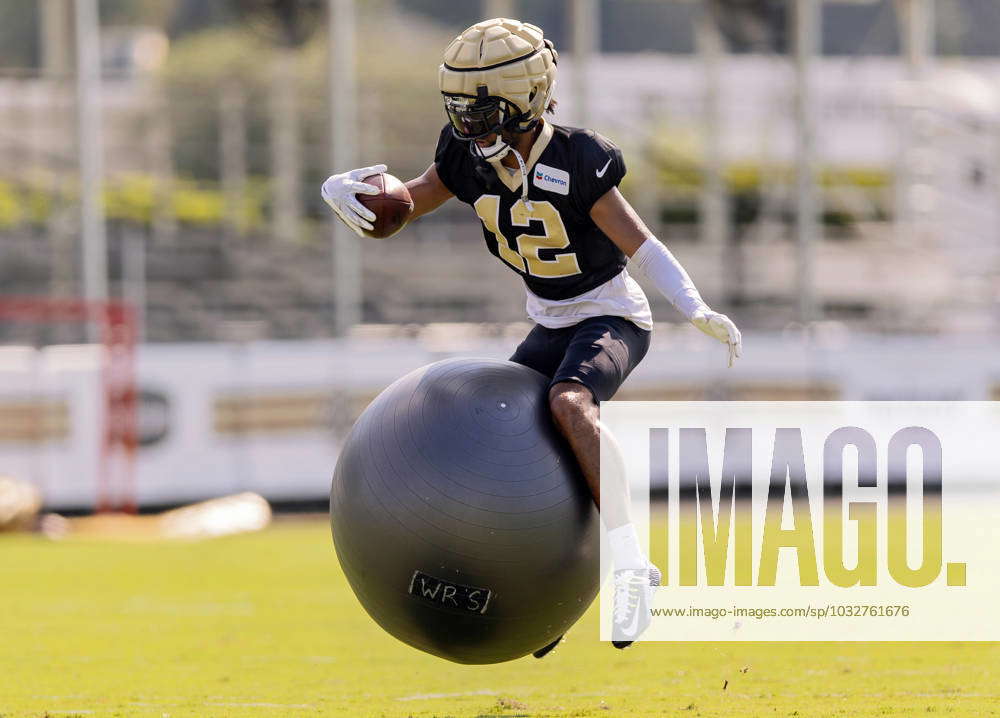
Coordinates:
620	296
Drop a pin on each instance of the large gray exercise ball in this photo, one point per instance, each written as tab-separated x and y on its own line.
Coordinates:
460	516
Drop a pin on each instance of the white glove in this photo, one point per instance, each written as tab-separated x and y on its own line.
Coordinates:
719	326
339	192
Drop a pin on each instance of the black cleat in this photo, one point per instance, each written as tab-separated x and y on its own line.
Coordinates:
546	650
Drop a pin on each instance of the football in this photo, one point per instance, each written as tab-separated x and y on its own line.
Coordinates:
392	205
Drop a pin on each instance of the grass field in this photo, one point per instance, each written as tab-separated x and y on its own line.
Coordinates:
265	625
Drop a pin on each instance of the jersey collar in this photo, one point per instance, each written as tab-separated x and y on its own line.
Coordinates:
513	180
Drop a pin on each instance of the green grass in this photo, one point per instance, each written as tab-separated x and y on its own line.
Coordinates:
265	625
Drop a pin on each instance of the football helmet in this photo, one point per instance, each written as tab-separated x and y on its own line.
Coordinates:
497	75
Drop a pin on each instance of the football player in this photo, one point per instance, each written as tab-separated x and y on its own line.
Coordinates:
548	200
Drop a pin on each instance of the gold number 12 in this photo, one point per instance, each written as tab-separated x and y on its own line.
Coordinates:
526	258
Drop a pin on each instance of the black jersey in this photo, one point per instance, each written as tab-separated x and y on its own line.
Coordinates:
552	242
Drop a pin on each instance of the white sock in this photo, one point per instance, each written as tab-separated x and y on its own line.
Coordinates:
625	551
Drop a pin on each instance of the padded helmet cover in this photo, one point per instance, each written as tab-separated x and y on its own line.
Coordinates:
511	59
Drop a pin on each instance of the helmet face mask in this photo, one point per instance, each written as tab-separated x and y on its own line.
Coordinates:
476	118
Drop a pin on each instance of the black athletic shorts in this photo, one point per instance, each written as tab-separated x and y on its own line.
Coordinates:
599	353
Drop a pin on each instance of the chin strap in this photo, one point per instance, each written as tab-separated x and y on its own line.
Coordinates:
524	179
494	153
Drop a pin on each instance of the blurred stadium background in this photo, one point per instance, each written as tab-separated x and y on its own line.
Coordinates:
180	317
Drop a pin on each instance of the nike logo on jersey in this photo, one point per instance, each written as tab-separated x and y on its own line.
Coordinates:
600	172
551	179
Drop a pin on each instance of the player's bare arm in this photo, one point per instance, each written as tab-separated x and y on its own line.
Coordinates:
621	223
428	192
